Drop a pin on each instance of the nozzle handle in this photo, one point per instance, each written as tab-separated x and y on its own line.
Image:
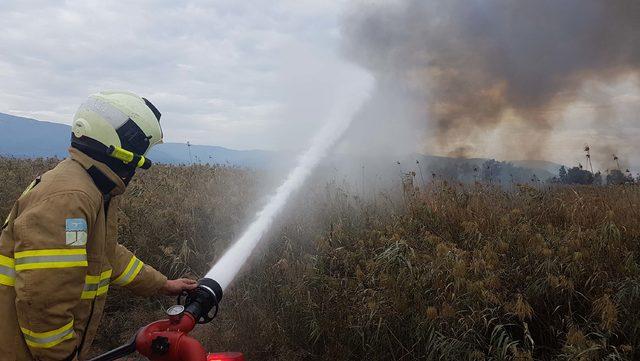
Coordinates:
203	299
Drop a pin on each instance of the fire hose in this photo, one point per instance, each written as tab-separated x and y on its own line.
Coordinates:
169	340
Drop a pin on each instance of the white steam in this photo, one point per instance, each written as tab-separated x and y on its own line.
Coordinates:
227	267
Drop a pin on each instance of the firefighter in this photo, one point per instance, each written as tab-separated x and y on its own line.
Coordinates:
58	249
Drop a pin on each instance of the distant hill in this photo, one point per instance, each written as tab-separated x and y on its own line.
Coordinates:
178	153
30	138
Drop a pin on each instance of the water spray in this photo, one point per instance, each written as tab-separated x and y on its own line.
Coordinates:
169	340
228	266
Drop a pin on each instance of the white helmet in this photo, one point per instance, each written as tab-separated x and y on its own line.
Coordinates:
119	125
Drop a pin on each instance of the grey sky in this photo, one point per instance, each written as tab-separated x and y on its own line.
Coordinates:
245	74
241	74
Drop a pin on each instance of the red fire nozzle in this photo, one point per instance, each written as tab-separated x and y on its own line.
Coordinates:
169	340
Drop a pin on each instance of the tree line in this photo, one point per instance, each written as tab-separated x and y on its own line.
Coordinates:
578	175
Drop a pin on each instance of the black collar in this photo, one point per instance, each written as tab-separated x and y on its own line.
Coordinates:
104	184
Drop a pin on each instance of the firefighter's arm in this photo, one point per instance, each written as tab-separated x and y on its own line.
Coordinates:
50	263
132	273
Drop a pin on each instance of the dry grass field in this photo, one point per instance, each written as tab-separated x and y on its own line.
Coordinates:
451	272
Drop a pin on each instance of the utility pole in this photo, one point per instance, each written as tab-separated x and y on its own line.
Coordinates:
588	150
189	147
615	157
363	190
421	176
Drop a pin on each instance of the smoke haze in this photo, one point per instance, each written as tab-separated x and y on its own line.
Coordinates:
452	73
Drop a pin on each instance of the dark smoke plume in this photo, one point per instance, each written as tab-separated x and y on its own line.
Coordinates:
465	66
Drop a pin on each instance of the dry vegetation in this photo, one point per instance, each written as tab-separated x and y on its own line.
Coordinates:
449	272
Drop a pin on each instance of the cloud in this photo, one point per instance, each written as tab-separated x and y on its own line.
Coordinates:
228	73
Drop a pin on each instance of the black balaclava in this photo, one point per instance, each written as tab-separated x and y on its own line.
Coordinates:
97	151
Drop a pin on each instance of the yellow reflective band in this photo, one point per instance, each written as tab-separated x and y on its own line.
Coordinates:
50	258
96	285
48	339
29	187
91	280
45	265
102	290
136	271
7	281
118	279
106	275
130	272
50	252
7	271
90	287
6	261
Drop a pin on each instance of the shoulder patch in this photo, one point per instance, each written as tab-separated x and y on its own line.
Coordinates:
76	229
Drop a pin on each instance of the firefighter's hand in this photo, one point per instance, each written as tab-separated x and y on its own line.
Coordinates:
176	287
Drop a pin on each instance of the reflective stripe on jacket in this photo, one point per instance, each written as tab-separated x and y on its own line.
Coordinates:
58	257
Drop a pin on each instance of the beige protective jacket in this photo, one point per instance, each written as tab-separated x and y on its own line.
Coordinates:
58	257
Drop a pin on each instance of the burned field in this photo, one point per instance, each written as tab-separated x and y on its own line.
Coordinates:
446	272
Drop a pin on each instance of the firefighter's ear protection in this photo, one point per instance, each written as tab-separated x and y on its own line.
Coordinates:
128	157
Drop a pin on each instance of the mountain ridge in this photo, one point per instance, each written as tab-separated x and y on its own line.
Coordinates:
32	138
22	137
